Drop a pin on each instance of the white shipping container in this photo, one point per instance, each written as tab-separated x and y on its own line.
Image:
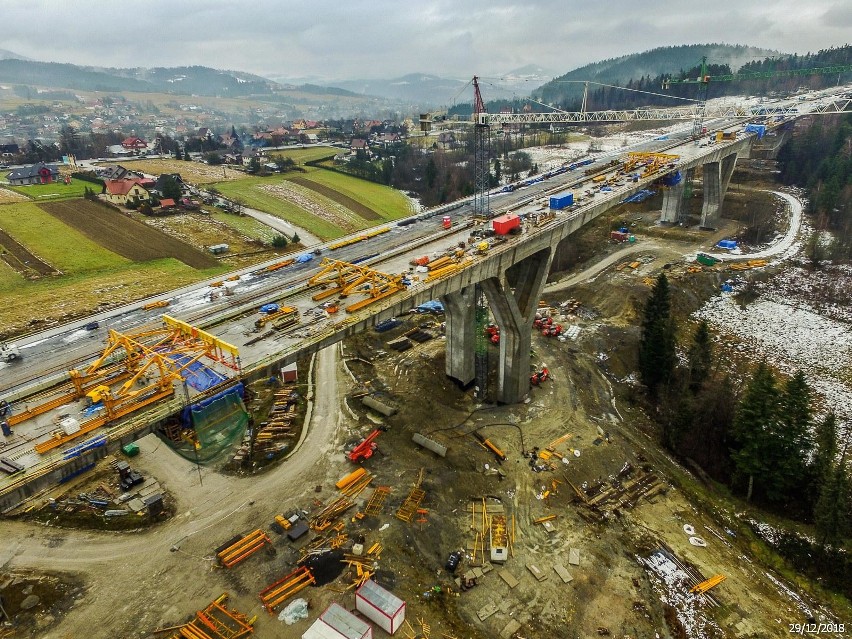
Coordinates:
380	606
338	623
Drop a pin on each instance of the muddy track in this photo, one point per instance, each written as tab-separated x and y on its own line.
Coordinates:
344	200
20	259
123	235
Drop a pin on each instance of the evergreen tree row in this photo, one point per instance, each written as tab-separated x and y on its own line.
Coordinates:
764	444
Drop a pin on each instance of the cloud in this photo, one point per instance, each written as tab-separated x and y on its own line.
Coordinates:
379	38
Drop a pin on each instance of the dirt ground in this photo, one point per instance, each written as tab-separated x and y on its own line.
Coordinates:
192	172
601	449
124	235
202	231
7	196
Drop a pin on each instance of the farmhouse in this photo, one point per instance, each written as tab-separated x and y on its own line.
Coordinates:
40	173
125	191
134	144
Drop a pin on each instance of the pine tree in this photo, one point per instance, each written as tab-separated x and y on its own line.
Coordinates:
794	443
832	515
753	427
700	356
657	347
825	453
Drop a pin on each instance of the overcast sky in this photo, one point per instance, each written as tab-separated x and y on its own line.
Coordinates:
349	39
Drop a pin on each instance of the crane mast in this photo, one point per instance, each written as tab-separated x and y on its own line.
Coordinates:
481	157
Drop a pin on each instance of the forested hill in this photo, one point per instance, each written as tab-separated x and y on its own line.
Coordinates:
656	62
778	69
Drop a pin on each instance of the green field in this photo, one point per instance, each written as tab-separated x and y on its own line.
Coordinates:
247	191
9	277
389	203
54	191
64	298
308	154
54	242
386	202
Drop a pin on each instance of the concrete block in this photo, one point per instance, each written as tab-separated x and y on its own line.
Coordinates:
486	611
574	557
536	572
564	575
511	628
509	578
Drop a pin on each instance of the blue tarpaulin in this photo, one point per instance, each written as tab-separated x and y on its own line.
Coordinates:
304	257
186	413
672	179
432	306
727	244
269	308
197	374
639	196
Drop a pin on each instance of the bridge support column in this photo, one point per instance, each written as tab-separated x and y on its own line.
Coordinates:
716	176
460	315
514	300
673	203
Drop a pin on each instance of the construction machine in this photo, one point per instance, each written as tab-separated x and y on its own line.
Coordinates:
9	353
540	376
489	445
365	449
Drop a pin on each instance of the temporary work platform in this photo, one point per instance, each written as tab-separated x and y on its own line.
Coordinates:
278	592
338	623
380	605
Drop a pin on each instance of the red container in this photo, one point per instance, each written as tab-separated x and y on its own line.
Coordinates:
446	222
505	223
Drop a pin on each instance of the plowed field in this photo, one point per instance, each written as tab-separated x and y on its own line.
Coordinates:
123	235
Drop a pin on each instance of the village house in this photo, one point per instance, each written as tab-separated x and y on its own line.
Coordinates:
124	192
40	173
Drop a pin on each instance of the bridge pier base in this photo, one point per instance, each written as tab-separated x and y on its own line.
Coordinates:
716	176
514	299
460	316
673	203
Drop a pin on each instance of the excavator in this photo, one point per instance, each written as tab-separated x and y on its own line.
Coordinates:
365	449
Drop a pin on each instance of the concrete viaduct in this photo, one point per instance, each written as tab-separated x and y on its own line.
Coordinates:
512	277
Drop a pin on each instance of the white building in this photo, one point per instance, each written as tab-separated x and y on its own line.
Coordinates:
380	606
338	623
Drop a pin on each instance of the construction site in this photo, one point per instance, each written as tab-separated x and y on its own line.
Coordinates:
391	501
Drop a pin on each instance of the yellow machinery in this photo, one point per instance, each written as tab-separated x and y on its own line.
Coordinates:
214	622
651	162
152	305
482	248
284	316
707	584
347	279
145	366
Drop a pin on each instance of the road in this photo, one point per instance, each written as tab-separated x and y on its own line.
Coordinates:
781	248
136	581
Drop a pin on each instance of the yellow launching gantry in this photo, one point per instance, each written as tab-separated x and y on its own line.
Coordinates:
134	370
344	279
651	162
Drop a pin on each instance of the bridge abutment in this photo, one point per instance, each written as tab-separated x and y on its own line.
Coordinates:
514	299
460	316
